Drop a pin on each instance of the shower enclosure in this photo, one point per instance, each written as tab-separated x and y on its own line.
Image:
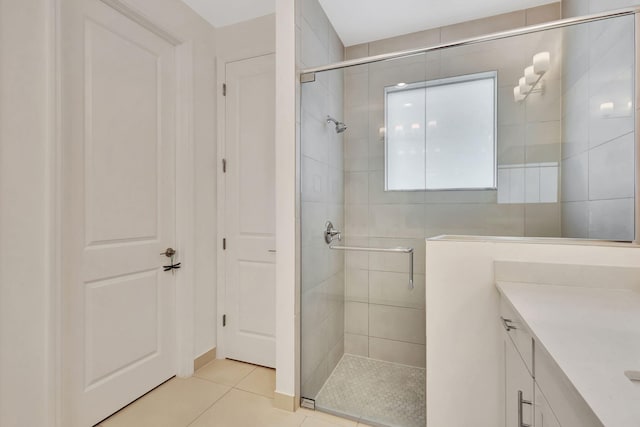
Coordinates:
529	133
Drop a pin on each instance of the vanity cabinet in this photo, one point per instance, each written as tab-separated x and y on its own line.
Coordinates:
519	387
563	399
536	393
518	370
543	414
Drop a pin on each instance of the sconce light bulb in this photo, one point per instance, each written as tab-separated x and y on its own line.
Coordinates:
541	62
530	76
517	95
524	87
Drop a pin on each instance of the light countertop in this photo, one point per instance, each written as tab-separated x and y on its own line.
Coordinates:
593	334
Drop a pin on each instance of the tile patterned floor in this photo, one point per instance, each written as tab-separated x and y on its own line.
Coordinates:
223	393
376	392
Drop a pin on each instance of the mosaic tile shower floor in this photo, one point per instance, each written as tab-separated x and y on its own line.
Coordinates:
375	392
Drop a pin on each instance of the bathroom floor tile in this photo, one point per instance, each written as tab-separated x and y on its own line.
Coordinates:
225	371
175	403
243	409
260	381
224	393
328	418
315	422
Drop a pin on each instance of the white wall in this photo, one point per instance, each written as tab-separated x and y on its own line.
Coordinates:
246	39
287	286
28	289
26	214
464	337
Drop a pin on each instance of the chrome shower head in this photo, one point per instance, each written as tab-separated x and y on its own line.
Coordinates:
340	127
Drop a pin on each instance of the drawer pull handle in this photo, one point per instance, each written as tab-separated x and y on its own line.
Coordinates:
507	323
521	402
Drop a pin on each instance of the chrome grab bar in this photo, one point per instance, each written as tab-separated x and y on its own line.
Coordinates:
390	250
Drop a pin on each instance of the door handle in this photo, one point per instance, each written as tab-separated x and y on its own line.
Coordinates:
521	402
169	252
273	251
507	323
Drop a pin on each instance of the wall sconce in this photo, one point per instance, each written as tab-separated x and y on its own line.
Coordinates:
616	110
531	81
606	109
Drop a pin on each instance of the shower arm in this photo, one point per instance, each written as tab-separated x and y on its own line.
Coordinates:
340	127
388	250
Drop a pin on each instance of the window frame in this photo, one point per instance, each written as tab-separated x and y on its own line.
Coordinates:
486	75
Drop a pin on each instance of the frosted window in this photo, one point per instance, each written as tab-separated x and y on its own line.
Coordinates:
441	134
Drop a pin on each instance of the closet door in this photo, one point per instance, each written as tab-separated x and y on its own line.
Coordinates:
250	220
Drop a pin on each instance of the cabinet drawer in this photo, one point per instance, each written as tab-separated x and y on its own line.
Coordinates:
518	333
568	406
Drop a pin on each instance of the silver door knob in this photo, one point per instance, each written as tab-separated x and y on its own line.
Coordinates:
169	252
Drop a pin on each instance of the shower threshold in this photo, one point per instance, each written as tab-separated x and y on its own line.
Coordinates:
375	392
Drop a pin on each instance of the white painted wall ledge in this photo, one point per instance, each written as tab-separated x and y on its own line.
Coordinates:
532	240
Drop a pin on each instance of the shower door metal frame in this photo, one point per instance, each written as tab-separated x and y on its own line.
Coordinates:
308	75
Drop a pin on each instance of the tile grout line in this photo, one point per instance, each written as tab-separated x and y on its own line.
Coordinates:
238	382
253	392
233	387
209	407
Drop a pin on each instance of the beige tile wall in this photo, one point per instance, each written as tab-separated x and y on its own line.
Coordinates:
435	36
384	319
598	150
572	8
322	199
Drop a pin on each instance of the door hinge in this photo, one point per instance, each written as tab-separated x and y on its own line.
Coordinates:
224	244
224	320
224	89
224	165
305	402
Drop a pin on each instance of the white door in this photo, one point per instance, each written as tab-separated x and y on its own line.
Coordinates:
118	213
250	297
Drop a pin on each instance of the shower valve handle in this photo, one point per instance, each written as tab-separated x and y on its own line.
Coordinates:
331	233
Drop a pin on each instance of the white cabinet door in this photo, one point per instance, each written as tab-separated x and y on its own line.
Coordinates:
518	388
544	416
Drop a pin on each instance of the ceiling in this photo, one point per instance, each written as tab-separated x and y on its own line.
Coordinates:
357	21
360	21
221	13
